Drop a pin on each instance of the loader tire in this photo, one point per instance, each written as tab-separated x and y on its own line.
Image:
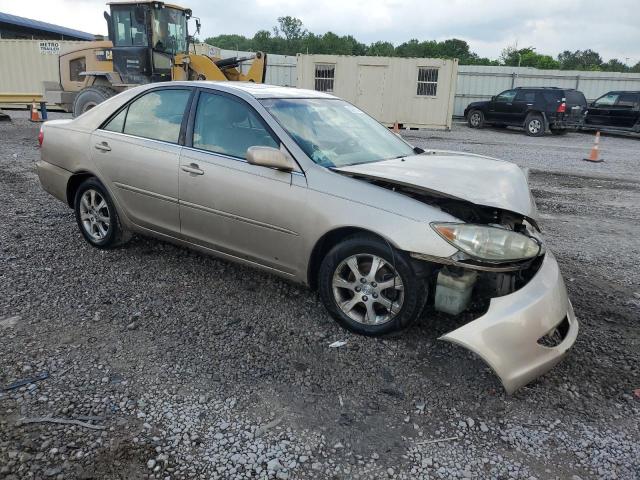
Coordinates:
89	97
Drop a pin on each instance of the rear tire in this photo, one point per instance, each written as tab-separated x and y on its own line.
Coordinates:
389	299
534	125
475	119
97	216
89	97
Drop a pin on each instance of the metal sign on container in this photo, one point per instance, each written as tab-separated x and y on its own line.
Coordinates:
48	47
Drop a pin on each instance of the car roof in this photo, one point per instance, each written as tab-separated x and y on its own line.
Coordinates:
260	90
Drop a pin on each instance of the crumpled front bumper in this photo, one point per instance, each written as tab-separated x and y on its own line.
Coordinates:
506	337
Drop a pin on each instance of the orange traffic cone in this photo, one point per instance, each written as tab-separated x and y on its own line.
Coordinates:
35	116
595	150
396	127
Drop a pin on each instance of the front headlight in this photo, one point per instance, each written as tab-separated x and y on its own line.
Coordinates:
493	244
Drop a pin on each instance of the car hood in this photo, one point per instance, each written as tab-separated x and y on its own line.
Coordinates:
477	179
477	104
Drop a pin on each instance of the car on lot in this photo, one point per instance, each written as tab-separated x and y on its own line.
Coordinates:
617	110
305	185
536	109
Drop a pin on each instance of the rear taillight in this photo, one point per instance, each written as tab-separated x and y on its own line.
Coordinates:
562	107
41	135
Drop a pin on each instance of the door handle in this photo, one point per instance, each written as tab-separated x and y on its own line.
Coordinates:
103	146
192	168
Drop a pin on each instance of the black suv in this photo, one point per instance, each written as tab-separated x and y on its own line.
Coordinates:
533	108
614	111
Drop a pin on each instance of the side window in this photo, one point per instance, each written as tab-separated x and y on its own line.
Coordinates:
526	96
157	115
129	30
76	67
116	124
507	96
223	125
607	100
627	100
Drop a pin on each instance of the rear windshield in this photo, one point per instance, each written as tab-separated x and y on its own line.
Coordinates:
574	97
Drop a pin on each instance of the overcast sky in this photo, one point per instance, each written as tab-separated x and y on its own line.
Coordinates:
610	27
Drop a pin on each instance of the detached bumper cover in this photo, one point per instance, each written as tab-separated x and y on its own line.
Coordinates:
506	337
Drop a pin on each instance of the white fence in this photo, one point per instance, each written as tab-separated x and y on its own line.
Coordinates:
476	83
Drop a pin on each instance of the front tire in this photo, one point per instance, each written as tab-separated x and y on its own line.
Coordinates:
97	217
475	119
534	125
369	287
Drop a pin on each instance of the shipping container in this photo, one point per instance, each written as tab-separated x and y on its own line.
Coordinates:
414	92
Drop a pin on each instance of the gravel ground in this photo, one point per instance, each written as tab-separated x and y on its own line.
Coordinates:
177	365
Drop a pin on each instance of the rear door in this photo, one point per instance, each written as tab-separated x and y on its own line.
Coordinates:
501	107
137	154
523	101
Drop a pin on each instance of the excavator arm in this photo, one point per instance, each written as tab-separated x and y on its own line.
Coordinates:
202	67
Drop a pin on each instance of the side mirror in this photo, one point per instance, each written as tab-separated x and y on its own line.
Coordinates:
418	150
197	26
493	98
269	157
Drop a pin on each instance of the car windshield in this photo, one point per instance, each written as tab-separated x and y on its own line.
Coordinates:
334	133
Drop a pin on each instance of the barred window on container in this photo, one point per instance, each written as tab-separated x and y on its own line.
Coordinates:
325	74
427	81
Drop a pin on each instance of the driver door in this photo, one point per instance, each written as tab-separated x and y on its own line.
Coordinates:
248	211
501	107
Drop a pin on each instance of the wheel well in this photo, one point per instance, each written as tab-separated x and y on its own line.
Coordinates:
531	113
74	182
326	243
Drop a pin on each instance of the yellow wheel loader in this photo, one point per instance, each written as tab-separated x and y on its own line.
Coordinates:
148	43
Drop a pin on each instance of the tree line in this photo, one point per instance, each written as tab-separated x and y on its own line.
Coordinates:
290	37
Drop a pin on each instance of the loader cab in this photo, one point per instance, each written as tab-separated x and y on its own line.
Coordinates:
146	37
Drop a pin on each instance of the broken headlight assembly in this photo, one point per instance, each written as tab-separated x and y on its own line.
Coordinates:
489	243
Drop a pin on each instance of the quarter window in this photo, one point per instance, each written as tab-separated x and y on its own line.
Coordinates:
116	124
427	82
229	127
156	115
325	75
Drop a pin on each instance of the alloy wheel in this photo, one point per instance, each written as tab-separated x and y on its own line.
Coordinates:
475	119
535	125
368	289
95	215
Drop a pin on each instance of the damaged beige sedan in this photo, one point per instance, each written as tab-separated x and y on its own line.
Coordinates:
305	185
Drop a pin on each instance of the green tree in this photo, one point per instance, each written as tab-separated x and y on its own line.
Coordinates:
636	68
230	42
580	60
614	65
381	49
290	28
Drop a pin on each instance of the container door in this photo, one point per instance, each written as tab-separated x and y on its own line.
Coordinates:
371	85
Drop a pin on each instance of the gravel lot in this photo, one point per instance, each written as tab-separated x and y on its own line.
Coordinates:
177	365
